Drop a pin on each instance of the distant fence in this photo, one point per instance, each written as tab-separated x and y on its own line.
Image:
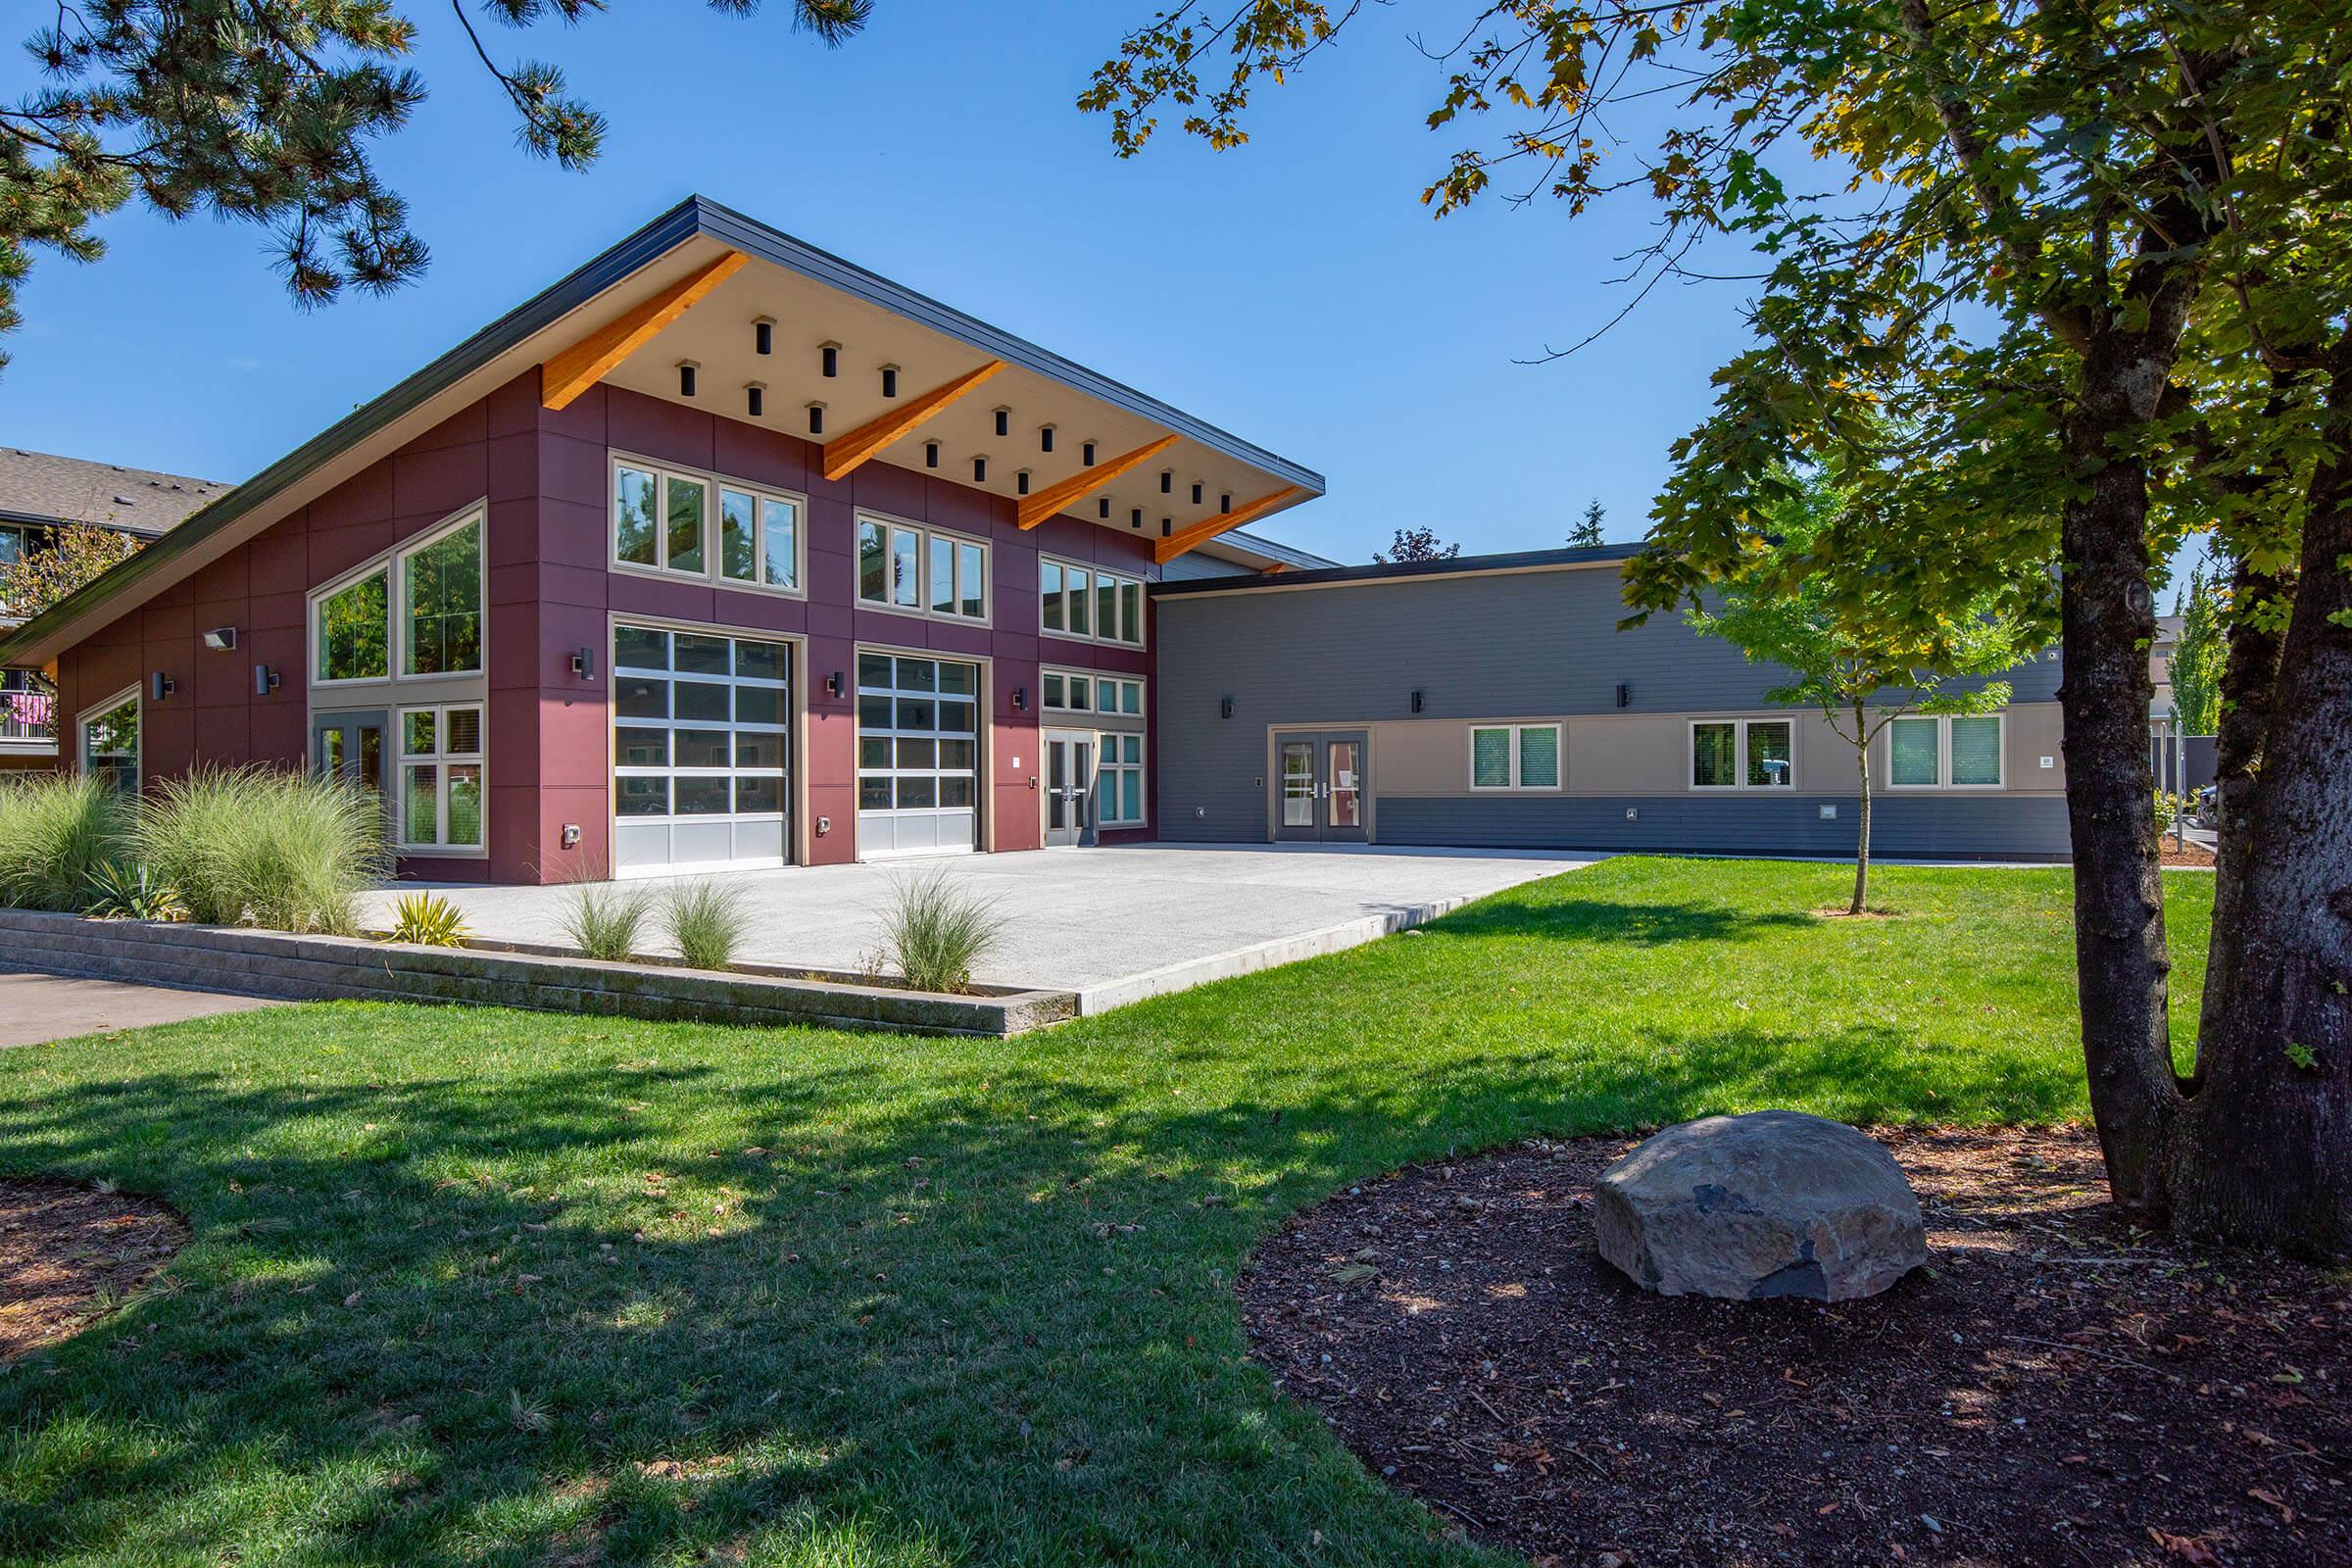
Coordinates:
2182	763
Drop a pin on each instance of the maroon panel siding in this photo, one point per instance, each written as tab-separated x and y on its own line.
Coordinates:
549	592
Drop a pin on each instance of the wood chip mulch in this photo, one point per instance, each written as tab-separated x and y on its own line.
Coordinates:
2055	1388
68	1251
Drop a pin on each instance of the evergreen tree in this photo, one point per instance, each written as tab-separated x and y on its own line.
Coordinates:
2196	668
1586	534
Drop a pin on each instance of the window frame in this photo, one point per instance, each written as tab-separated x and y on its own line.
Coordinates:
1739	780
442	758
393	563
131	697
927	538
1141	767
1515	729
712	571
1094	679
1094	577
1943	751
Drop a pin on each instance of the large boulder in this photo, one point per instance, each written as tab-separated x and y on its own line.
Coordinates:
1775	1203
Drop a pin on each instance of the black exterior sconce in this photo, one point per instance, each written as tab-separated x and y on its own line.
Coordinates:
1416	702
583	662
686	369
265	680
1020	699
763	334
1624	695
1224	708
833	685
159	686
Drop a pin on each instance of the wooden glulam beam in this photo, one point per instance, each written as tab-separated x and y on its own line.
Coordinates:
1085	482
1200	533
576	370
1276	569
844	452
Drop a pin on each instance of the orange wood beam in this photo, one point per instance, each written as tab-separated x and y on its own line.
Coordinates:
1276	569
844	452
1085	482
1166	550
580	366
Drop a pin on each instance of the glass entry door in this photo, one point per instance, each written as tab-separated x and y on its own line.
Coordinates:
1319	787
1069	788
351	747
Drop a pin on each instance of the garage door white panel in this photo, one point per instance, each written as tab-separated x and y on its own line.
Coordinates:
701	742
918	756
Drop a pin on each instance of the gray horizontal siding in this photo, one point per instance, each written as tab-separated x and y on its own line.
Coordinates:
1970	827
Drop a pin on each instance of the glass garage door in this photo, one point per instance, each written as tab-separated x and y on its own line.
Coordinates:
701	742
918	756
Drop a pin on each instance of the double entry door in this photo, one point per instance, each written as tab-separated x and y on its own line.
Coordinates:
1319	787
1069	788
349	746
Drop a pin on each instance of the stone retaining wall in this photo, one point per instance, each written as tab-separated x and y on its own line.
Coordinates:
286	967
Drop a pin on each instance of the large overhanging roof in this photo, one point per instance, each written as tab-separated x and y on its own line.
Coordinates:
693	286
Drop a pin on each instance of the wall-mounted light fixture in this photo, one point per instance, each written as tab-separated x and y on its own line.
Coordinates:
1633	813
816	419
1134	518
1086	453
571	835
1020	481
1624	695
890	380
1416	700
1196	488
1004	422
1045	438
763	334
220	637
1225	503
755	398
1103	508
1167	527
686	369
830	356
265	680
159	686
833	684
1020	699
979	470
1225	707
930	454
1167	481
583	662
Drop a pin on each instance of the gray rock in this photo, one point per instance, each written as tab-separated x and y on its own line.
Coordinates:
1775	1203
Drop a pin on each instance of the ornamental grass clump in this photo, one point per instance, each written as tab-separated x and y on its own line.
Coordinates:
58	834
935	930
291	851
706	923
605	920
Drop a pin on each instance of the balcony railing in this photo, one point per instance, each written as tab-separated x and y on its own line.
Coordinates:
27	716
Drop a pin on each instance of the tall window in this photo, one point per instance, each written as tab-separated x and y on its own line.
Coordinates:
1938	751
110	743
438	631
1119	781
441	777
902	565
1742	753
1515	757
1102	607
681	524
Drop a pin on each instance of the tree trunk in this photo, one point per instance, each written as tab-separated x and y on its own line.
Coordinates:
1862	839
2264	1154
2108	622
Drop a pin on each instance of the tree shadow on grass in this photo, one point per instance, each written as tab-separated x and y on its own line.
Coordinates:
1609	920
782	1295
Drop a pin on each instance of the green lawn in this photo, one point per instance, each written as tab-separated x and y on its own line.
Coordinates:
481	1287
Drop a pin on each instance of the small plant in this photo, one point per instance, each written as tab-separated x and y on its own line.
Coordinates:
935	930
132	893
605	920
57	833
428	920
706	921
2301	1056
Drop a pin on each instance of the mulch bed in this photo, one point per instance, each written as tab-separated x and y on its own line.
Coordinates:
2185	853
2055	1388
66	1247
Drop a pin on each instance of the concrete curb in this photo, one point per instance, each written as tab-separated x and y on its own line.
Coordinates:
1266	955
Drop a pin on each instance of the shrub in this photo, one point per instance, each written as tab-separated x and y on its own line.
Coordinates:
136	892
605	920
428	920
706	921
934	931
286	850
57	833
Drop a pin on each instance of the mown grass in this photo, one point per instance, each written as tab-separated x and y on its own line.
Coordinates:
491	1288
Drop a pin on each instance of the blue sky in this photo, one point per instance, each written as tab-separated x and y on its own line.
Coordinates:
1293	291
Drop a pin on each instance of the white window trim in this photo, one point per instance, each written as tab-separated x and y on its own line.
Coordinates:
1143	596
1093	678
1738	755
712	483
1559	743
1141	767
441	758
131	694
393	563
1943	753
921	609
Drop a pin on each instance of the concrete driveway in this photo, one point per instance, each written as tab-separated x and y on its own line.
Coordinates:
1113	924
38	1008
